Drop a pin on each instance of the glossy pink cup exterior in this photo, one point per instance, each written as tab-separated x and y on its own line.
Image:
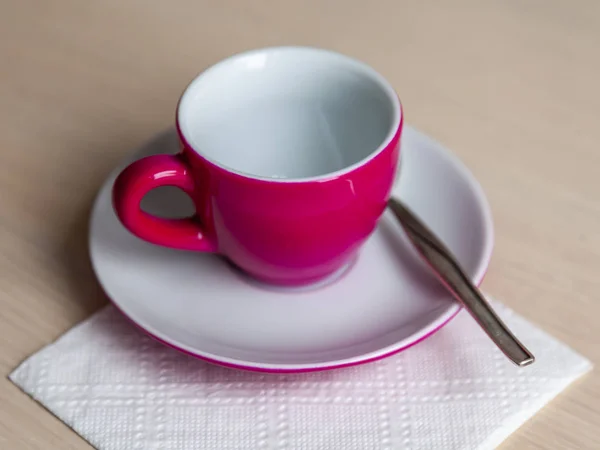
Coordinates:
282	233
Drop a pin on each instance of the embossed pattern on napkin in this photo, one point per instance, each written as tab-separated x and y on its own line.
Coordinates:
120	389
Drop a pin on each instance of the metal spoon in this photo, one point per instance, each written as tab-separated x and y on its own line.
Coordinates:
453	277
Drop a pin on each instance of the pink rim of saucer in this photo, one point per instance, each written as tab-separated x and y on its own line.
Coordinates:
282	370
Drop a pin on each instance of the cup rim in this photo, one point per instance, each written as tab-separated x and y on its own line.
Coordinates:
367	70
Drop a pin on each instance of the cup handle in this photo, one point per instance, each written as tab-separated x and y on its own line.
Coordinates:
137	180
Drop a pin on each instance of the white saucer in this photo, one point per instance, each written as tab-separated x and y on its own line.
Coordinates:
386	302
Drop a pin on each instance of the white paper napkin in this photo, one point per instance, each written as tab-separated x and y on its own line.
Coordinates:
119	390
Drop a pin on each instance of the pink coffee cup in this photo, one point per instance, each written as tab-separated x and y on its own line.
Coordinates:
289	155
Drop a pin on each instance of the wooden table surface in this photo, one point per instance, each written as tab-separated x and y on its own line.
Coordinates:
511	86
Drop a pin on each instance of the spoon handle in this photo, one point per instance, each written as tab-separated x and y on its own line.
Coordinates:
460	286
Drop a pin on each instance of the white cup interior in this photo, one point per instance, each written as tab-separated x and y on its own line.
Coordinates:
289	113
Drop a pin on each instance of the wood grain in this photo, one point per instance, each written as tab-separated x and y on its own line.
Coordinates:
511	86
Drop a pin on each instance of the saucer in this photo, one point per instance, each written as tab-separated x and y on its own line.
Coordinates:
386	301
